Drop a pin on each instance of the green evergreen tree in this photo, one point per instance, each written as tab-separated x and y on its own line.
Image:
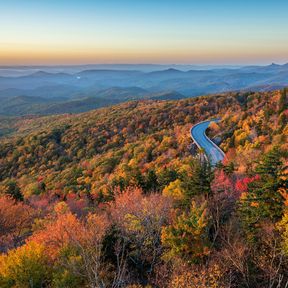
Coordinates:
151	182
264	200
13	190
188	234
199	183
283	103
167	176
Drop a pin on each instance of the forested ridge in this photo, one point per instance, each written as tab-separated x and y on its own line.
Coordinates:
107	143
118	197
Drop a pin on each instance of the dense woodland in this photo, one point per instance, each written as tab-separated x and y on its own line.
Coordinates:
119	196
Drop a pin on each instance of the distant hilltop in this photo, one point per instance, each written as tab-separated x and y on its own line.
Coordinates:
72	89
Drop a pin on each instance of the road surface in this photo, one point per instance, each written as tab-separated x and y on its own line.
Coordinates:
212	151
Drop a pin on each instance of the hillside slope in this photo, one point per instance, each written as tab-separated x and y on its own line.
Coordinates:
118	196
109	138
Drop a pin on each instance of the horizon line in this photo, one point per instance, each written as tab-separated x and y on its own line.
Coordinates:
142	64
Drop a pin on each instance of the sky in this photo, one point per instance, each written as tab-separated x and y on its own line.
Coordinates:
216	32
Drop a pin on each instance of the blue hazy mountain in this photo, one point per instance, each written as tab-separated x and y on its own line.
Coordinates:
64	88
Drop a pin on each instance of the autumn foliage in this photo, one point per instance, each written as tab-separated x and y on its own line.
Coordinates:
118	197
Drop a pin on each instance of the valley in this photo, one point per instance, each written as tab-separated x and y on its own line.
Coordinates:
50	92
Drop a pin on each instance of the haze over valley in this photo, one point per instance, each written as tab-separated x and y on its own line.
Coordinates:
70	89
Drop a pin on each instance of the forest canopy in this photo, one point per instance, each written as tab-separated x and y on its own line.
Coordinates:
119	197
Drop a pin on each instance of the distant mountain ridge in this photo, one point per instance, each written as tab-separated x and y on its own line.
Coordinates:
107	86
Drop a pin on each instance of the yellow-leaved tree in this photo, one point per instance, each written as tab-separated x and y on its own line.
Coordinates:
283	228
187	236
26	266
174	190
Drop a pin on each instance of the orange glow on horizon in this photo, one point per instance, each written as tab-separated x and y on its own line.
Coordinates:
76	32
21	55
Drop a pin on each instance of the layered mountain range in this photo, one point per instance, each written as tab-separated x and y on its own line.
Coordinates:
48	91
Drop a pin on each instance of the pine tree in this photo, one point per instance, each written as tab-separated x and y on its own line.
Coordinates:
264	200
282	105
13	190
187	236
151	182
167	176
271	164
199	183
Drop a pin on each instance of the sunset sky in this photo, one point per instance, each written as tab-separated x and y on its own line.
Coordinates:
150	31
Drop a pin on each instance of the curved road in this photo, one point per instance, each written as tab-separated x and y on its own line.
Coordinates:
212	151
